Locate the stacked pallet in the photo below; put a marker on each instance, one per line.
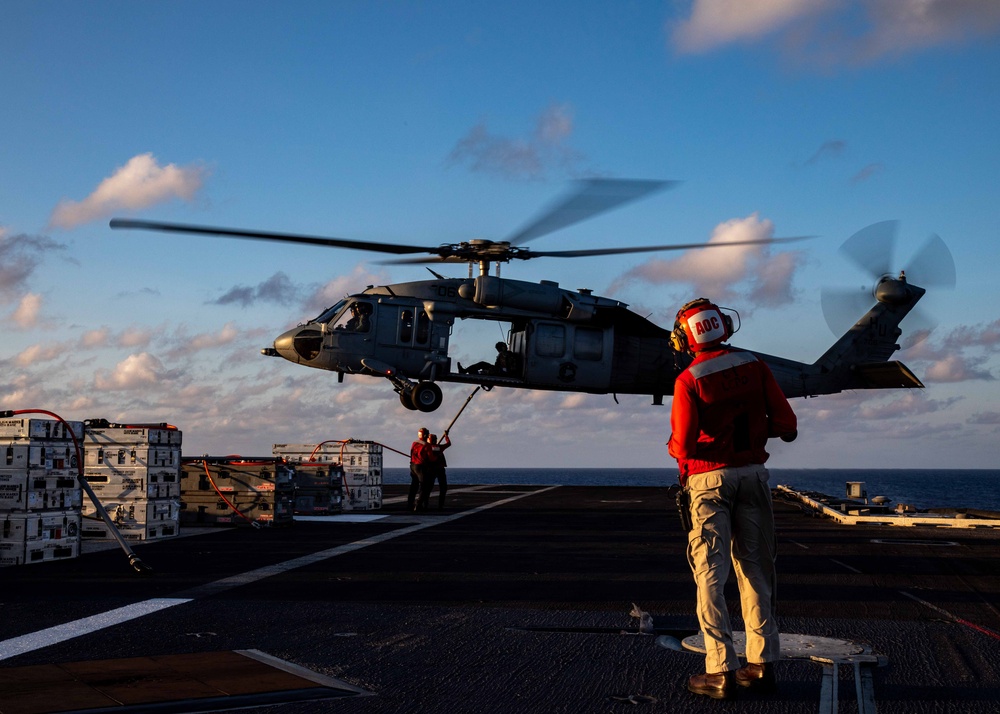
(234, 490)
(360, 462)
(134, 470)
(40, 495)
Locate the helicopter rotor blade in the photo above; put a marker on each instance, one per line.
(528, 254)
(933, 265)
(873, 247)
(126, 223)
(651, 248)
(591, 197)
(843, 306)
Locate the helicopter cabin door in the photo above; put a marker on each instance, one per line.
(410, 342)
(569, 357)
(352, 333)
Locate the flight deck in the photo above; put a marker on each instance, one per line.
(511, 599)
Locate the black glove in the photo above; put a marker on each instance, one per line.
(790, 437)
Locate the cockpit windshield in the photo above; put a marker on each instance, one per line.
(331, 312)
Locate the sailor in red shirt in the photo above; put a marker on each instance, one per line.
(420, 457)
(726, 405)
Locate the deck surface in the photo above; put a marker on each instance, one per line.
(513, 599)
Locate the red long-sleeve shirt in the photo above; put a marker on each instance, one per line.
(726, 405)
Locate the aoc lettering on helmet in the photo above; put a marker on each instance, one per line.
(706, 326)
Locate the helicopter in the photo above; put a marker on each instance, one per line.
(558, 339)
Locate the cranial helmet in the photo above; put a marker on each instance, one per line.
(700, 325)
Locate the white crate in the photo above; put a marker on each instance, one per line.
(363, 498)
(55, 526)
(21, 490)
(110, 483)
(134, 456)
(332, 451)
(138, 512)
(99, 530)
(53, 457)
(125, 435)
(20, 429)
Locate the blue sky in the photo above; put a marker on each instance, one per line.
(426, 123)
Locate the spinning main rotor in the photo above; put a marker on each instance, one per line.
(590, 198)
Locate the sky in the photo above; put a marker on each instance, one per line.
(424, 123)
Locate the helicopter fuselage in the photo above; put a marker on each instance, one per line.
(561, 339)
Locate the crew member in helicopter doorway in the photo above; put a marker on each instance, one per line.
(726, 405)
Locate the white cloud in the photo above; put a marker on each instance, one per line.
(26, 314)
(835, 31)
(726, 272)
(135, 371)
(93, 339)
(139, 184)
(36, 354)
(338, 288)
(714, 23)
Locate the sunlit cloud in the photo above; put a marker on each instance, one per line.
(340, 287)
(137, 371)
(527, 157)
(715, 23)
(139, 184)
(37, 354)
(26, 313)
(725, 273)
(830, 32)
(92, 339)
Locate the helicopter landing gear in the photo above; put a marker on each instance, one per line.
(423, 396)
(426, 396)
(404, 399)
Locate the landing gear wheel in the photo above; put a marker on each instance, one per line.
(404, 399)
(426, 396)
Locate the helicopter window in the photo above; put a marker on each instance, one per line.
(588, 344)
(405, 326)
(331, 312)
(550, 341)
(423, 328)
(357, 319)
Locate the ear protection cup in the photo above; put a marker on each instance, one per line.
(710, 325)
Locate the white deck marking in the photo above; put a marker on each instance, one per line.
(84, 626)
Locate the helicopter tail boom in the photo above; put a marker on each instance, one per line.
(860, 358)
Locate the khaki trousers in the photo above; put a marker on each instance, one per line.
(732, 522)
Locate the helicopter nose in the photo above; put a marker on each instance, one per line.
(302, 344)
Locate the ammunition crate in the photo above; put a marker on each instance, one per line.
(134, 513)
(37, 537)
(20, 429)
(55, 458)
(100, 432)
(99, 530)
(318, 502)
(204, 509)
(38, 551)
(363, 498)
(155, 458)
(111, 483)
(54, 526)
(23, 490)
(261, 475)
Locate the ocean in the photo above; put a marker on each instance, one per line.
(921, 488)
